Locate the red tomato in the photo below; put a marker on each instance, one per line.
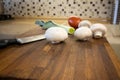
(74, 21)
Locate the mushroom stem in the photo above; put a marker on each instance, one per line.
(98, 34)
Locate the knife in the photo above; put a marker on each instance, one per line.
(6, 42)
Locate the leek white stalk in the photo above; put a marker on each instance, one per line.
(46, 25)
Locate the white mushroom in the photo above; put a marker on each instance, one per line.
(56, 34)
(99, 30)
(85, 23)
(83, 33)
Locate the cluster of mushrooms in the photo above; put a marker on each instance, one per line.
(85, 31)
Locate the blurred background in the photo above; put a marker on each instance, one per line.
(102, 9)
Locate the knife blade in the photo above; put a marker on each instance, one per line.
(23, 40)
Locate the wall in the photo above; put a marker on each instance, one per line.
(116, 12)
(59, 8)
(1, 7)
(118, 16)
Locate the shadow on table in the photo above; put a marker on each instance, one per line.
(13, 78)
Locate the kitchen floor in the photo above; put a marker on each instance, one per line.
(12, 28)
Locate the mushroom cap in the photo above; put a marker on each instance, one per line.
(83, 33)
(85, 23)
(56, 34)
(98, 27)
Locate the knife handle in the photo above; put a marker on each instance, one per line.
(6, 42)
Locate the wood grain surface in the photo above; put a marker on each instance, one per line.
(69, 60)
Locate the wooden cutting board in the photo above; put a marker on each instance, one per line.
(69, 60)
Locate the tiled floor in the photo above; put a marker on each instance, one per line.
(9, 29)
